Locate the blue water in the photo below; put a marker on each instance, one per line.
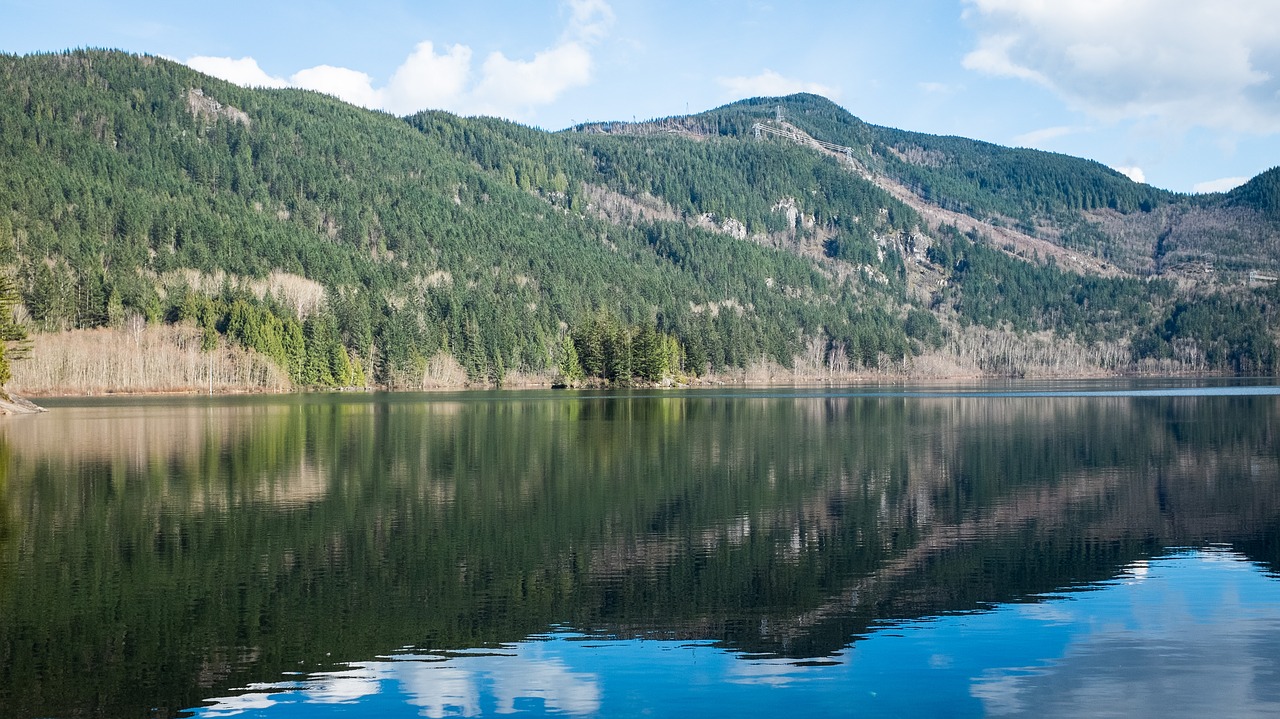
(1192, 634)
(991, 549)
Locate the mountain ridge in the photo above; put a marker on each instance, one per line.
(1076, 190)
(608, 252)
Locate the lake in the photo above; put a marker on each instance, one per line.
(1011, 549)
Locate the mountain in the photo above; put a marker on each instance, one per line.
(1261, 194)
(292, 233)
(1078, 205)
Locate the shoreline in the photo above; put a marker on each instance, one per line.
(12, 404)
(169, 360)
(23, 404)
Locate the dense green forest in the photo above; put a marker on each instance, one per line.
(1262, 193)
(954, 172)
(134, 187)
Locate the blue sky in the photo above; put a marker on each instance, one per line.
(1184, 94)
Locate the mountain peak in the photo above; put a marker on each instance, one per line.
(1262, 193)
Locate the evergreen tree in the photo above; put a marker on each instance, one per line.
(649, 353)
(5, 373)
(13, 337)
(317, 370)
(617, 351)
(473, 359)
(589, 342)
(570, 368)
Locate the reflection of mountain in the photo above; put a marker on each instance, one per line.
(184, 548)
(182, 456)
(1193, 634)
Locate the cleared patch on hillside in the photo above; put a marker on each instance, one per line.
(140, 358)
(1003, 236)
(622, 210)
(304, 296)
(206, 108)
(1008, 239)
(1221, 244)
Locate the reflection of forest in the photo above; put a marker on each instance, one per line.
(177, 547)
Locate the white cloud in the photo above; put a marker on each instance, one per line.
(992, 57)
(770, 83)
(589, 20)
(349, 85)
(244, 71)
(522, 84)
(1184, 62)
(1220, 185)
(426, 79)
(1133, 173)
(1036, 138)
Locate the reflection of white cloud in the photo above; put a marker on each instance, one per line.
(1055, 612)
(239, 704)
(999, 692)
(453, 687)
(1222, 555)
(439, 689)
(1154, 646)
(940, 661)
(1137, 571)
(345, 687)
(768, 672)
(552, 682)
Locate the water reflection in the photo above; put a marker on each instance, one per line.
(183, 548)
(461, 685)
(1194, 634)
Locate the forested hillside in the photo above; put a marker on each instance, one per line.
(344, 247)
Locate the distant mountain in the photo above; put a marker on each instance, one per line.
(1079, 205)
(349, 246)
(1262, 194)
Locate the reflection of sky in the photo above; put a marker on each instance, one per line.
(1192, 635)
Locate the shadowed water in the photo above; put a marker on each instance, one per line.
(1020, 550)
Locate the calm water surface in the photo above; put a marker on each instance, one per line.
(1013, 550)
